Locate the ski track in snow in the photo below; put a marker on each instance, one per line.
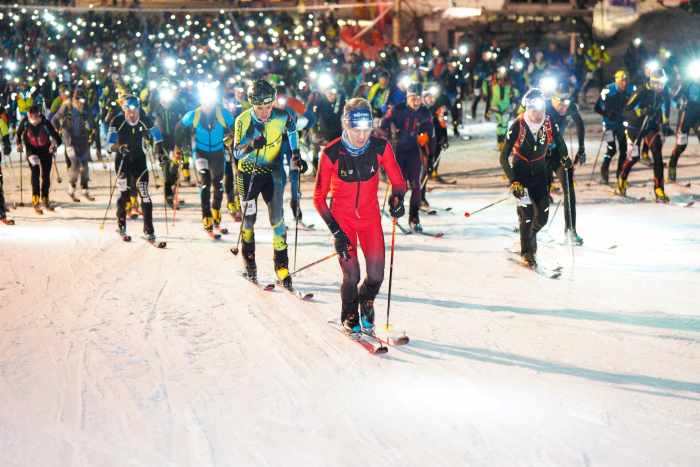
(119, 354)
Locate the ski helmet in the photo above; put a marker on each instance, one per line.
(658, 79)
(131, 102)
(261, 92)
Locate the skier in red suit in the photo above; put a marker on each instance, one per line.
(349, 171)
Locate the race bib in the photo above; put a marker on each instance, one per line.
(682, 139)
(249, 208)
(121, 185)
(33, 160)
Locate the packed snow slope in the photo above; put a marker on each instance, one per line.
(119, 354)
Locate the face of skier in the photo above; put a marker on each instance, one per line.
(331, 95)
(561, 105)
(263, 111)
(429, 100)
(358, 136)
(413, 101)
(535, 115)
(34, 118)
(383, 82)
(621, 83)
(131, 114)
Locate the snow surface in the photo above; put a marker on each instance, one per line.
(116, 354)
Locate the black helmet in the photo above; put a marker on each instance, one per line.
(414, 89)
(261, 92)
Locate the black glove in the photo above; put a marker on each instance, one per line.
(517, 189)
(298, 163)
(396, 206)
(259, 143)
(341, 243)
(666, 128)
(581, 156)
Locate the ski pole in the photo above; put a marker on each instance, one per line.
(296, 216)
(595, 161)
(111, 192)
(165, 203)
(21, 181)
(551, 219)
(176, 198)
(569, 209)
(469, 214)
(235, 249)
(318, 261)
(391, 271)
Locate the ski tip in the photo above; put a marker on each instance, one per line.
(269, 287)
(380, 350)
(161, 244)
(403, 340)
(467, 214)
(307, 297)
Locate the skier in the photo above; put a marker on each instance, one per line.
(500, 95)
(413, 124)
(126, 135)
(39, 137)
(71, 118)
(645, 116)
(328, 108)
(689, 95)
(349, 171)
(259, 134)
(209, 124)
(166, 111)
(537, 146)
(611, 105)
(560, 107)
(438, 109)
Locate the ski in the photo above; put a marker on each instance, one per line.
(389, 340)
(428, 211)
(549, 273)
(88, 197)
(368, 342)
(266, 288)
(300, 294)
(156, 243)
(221, 230)
(75, 199)
(307, 226)
(431, 234)
(7, 221)
(38, 210)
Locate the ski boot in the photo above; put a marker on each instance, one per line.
(281, 260)
(71, 193)
(133, 209)
(367, 315)
(573, 237)
(87, 195)
(414, 224)
(529, 260)
(671, 174)
(35, 204)
(622, 185)
(216, 218)
(7, 221)
(248, 255)
(46, 203)
(170, 200)
(350, 319)
(660, 195)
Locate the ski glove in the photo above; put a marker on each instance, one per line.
(298, 163)
(259, 143)
(396, 207)
(517, 189)
(342, 244)
(567, 162)
(581, 156)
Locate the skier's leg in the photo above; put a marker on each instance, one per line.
(146, 201)
(273, 195)
(216, 169)
(2, 193)
(33, 161)
(349, 315)
(46, 165)
(202, 165)
(122, 188)
(371, 240)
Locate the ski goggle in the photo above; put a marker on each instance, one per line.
(131, 102)
(360, 119)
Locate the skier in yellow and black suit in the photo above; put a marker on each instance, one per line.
(258, 136)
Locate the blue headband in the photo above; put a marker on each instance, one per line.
(360, 119)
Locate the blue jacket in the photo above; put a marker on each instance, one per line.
(209, 129)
